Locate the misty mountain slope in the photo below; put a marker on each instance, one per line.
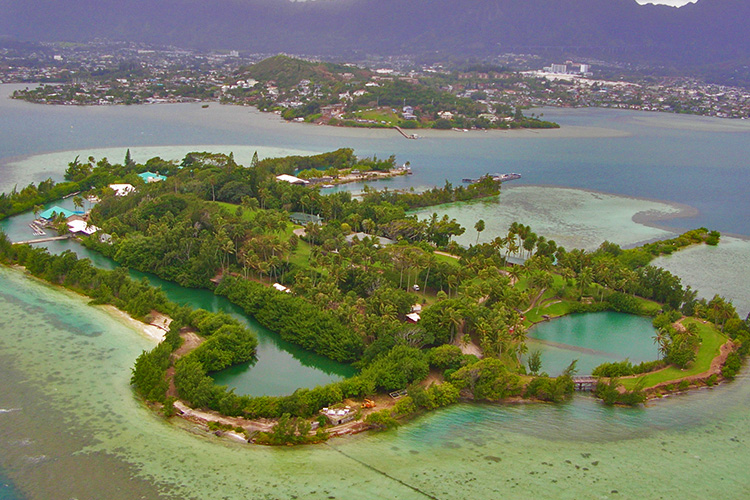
(708, 32)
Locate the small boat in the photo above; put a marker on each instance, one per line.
(495, 177)
(506, 177)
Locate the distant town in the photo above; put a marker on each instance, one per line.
(395, 92)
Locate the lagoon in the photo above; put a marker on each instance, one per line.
(593, 339)
(694, 161)
(281, 367)
(74, 429)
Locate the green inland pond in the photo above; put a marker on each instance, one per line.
(280, 368)
(73, 429)
(593, 339)
(70, 426)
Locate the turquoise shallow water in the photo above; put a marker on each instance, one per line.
(593, 339)
(77, 432)
(572, 218)
(690, 160)
(281, 367)
(8, 491)
(723, 270)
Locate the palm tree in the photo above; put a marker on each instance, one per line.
(455, 318)
(515, 272)
(479, 226)
(661, 339)
(541, 280)
(227, 249)
(567, 275)
(78, 202)
(452, 281)
(61, 223)
(498, 243)
(429, 262)
(585, 278)
(511, 248)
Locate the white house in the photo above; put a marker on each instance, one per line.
(81, 226)
(122, 189)
(291, 179)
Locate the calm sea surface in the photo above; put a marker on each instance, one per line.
(71, 428)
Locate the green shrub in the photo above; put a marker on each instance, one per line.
(731, 366)
(550, 389)
(609, 394)
(487, 379)
(381, 420)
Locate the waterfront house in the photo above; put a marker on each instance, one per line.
(81, 226)
(52, 213)
(151, 177)
(303, 219)
(378, 241)
(291, 179)
(122, 189)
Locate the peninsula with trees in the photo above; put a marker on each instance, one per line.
(360, 280)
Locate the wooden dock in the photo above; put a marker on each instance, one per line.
(585, 383)
(44, 240)
(408, 136)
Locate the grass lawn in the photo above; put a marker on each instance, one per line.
(444, 258)
(301, 256)
(379, 115)
(649, 307)
(711, 341)
(249, 215)
(554, 310)
(232, 208)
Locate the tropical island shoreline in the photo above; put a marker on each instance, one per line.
(229, 427)
(224, 427)
(400, 303)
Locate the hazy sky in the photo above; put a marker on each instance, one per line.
(675, 3)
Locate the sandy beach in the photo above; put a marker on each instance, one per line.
(154, 331)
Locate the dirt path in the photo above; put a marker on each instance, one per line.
(446, 254)
(535, 300)
(191, 340)
(468, 347)
(435, 377)
(203, 417)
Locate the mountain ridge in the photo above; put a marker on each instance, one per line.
(620, 29)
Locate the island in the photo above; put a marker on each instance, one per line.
(425, 322)
(450, 94)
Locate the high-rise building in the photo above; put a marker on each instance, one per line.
(559, 68)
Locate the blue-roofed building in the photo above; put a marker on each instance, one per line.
(51, 213)
(151, 177)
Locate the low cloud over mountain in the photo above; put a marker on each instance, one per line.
(709, 32)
